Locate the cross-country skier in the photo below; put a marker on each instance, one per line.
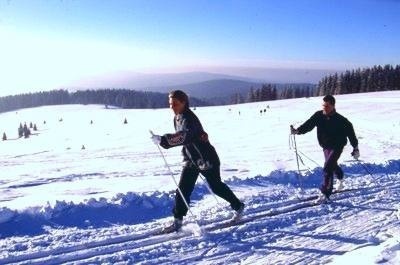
(332, 132)
(199, 156)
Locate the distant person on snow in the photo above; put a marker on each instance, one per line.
(332, 132)
(199, 156)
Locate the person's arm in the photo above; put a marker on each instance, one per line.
(182, 137)
(308, 125)
(351, 134)
(353, 139)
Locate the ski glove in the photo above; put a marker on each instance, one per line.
(355, 153)
(293, 130)
(156, 139)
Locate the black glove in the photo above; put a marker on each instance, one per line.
(355, 153)
(293, 130)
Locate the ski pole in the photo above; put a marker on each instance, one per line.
(363, 165)
(369, 172)
(173, 177)
(209, 189)
(365, 168)
(359, 162)
(297, 157)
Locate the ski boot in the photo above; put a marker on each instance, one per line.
(322, 199)
(238, 213)
(174, 227)
(339, 185)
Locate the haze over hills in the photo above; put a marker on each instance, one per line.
(216, 88)
(214, 81)
(142, 81)
(220, 91)
(218, 85)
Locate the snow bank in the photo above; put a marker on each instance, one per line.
(6, 215)
(134, 208)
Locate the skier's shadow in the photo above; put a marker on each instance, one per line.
(329, 237)
(349, 205)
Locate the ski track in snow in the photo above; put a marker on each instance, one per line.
(268, 238)
(89, 221)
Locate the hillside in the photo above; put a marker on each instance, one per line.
(60, 203)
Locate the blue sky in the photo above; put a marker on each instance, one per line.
(65, 40)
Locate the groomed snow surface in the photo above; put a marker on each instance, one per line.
(60, 203)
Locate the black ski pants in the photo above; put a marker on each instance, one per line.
(187, 181)
(331, 168)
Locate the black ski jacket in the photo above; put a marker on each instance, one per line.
(190, 134)
(332, 130)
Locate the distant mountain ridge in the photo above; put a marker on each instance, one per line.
(217, 88)
(216, 91)
(138, 81)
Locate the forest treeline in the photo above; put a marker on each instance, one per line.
(123, 98)
(274, 92)
(377, 78)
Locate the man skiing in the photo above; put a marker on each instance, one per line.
(199, 156)
(332, 132)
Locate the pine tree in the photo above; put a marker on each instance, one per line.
(4, 137)
(265, 92)
(251, 95)
(335, 84)
(397, 78)
(20, 131)
(27, 132)
(257, 95)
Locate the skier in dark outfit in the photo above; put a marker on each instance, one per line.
(199, 156)
(332, 132)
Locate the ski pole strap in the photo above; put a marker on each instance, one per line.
(291, 141)
(308, 158)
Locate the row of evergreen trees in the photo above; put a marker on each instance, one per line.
(123, 98)
(273, 92)
(377, 78)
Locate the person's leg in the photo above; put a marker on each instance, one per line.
(186, 184)
(339, 172)
(213, 178)
(331, 158)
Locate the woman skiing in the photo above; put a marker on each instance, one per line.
(199, 156)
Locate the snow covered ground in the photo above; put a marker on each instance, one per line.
(60, 203)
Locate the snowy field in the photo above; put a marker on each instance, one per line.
(60, 203)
